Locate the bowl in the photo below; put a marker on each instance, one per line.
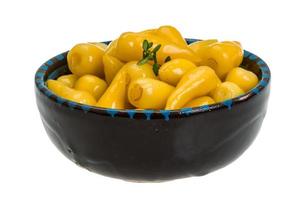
(152, 145)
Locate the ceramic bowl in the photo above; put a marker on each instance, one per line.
(151, 145)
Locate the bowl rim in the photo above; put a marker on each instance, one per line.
(40, 78)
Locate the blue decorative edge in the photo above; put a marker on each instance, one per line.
(41, 75)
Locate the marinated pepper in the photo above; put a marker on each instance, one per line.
(226, 90)
(136, 71)
(201, 47)
(64, 91)
(86, 58)
(69, 80)
(111, 67)
(92, 84)
(115, 95)
(200, 101)
(223, 56)
(147, 93)
(100, 45)
(193, 84)
(171, 34)
(245, 79)
(111, 48)
(129, 47)
(172, 71)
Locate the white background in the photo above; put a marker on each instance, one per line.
(33, 31)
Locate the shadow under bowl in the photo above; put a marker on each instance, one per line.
(150, 145)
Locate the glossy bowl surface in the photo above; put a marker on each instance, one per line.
(148, 145)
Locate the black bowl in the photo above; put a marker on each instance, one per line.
(149, 145)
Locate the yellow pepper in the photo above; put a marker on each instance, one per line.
(69, 80)
(147, 93)
(86, 58)
(100, 45)
(115, 95)
(201, 101)
(245, 79)
(201, 47)
(136, 71)
(234, 43)
(172, 71)
(92, 84)
(193, 84)
(218, 83)
(223, 56)
(111, 67)
(129, 47)
(171, 34)
(167, 32)
(111, 49)
(227, 90)
(148, 31)
(71, 94)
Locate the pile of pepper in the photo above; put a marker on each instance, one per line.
(154, 69)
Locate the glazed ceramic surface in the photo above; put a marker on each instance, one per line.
(148, 145)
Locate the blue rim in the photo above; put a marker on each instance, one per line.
(42, 75)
